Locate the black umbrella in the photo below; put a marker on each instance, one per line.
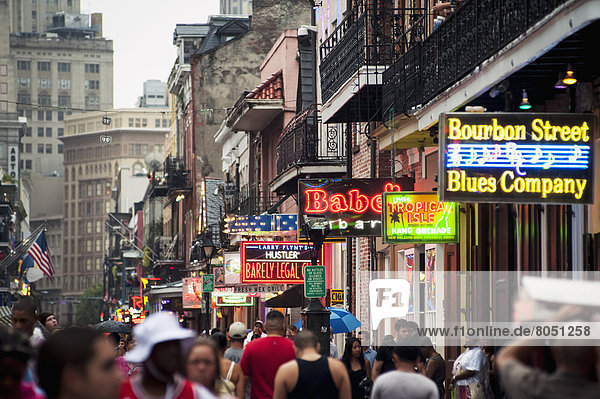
(111, 326)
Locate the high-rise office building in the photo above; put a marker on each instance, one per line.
(236, 7)
(91, 169)
(155, 94)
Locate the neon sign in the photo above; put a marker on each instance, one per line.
(516, 157)
(418, 218)
(274, 262)
(352, 207)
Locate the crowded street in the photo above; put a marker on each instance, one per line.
(271, 199)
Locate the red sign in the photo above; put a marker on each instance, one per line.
(274, 262)
(191, 292)
(352, 207)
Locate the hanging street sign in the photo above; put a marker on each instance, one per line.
(529, 158)
(208, 283)
(418, 218)
(314, 282)
(351, 207)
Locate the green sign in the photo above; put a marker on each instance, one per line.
(208, 282)
(418, 218)
(314, 282)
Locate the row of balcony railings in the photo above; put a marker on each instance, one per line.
(369, 35)
(477, 30)
(177, 176)
(306, 141)
(249, 200)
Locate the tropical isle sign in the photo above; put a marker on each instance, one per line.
(517, 157)
(418, 218)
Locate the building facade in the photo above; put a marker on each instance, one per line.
(92, 164)
(155, 94)
(236, 7)
(56, 77)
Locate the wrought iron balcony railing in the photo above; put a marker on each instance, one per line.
(177, 177)
(303, 142)
(477, 30)
(249, 201)
(372, 36)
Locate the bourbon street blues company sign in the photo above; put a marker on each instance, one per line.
(517, 157)
(352, 207)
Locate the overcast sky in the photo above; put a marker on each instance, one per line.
(142, 34)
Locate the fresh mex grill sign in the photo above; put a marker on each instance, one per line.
(517, 157)
(274, 262)
(352, 207)
(418, 218)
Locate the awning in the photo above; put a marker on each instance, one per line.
(291, 298)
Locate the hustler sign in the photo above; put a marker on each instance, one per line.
(352, 207)
(517, 157)
(274, 262)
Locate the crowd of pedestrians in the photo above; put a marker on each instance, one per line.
(161, 359)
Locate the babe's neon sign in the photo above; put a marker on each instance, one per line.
(352, 207)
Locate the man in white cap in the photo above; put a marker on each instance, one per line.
(257, 332)
(237, 335)
(160, 345)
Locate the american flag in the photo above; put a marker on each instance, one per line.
(41, 255)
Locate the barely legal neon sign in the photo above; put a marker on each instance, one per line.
(318, 202)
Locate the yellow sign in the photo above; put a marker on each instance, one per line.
(337, 297)
(517, 157)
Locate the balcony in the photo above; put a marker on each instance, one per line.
(478, 30)
(355, 55)
(308, 147)
(178, 178)
(249, 201)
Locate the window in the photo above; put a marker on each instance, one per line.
(48, 115)
(43, 66)
(48, 132)
(60, 133)
(91, 101)
(3, 70)
(44, 83)
(48, 148)
(92, 84)
(24, 65)
(157, 123)
(28, 164)
(43, 99)
(92, 68)
(24, 82)
(64, 67)
(24, 99)
(40, 149)
(40, 132)
(130, 122)
(60, 148)
(137, 122)
(88, 248)
(88, 227)
(98, 226)
(98, 207)
(64, 84)
(64, 101)
(98, 245)
(69, 3)
(40, 115)
(3, 88)
(28, 148)
(144, 149)
(60, 116)
(144, 122)
(28, 132)
(138, 149)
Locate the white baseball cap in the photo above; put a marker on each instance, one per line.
(238, 330)
(157, 328)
